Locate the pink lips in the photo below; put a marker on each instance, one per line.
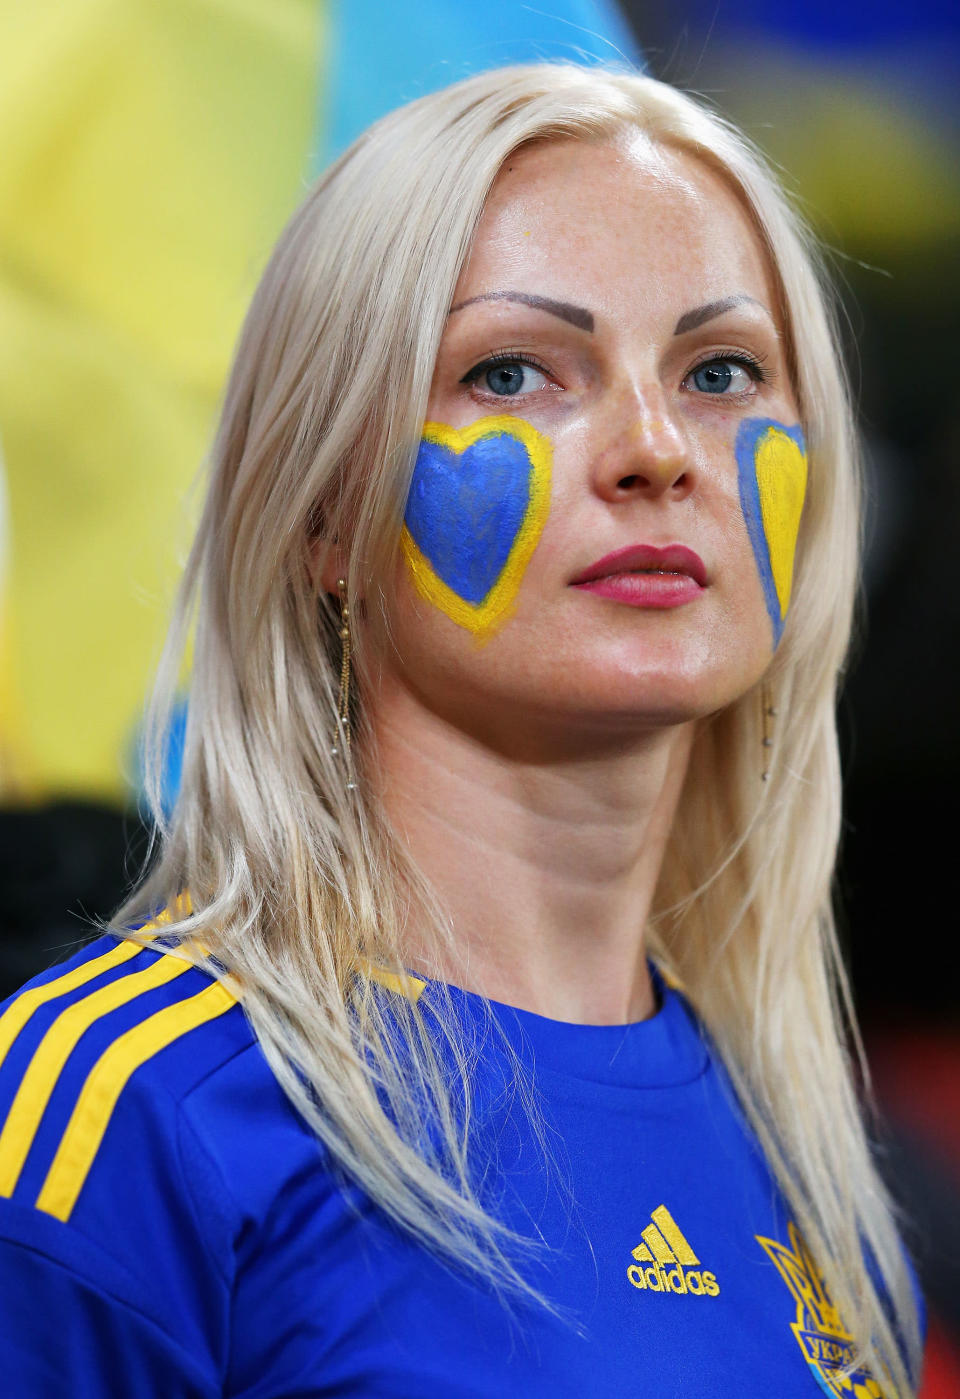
(644, 576)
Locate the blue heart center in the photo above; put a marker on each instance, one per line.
(465, 510)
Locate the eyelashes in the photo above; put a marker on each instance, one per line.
(500, 358)
(754, 366)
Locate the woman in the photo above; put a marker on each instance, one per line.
(535, 401)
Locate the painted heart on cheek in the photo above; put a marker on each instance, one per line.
(477, 506)
(772, 476)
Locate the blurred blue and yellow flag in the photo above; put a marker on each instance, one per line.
(151, 153)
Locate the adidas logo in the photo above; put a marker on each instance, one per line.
(667, 1263)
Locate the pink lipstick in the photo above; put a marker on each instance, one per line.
(645, 576)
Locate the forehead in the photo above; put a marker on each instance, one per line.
(616, 225)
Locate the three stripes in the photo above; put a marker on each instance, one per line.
(663, 1242)
(109, 1075)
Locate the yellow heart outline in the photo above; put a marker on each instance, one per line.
(483, 618)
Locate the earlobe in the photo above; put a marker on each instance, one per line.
(324, 565)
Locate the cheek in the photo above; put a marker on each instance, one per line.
(478, 502)
(772, 478)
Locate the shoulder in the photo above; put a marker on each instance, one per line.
(84, 1042)
(110, 1222)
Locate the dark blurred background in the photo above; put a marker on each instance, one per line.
(151, 154)
(859, 107)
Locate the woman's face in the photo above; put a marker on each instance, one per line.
(612, 381)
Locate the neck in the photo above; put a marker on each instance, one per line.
(546, 869)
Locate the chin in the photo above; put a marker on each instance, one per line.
(624, 702)
(682, 681)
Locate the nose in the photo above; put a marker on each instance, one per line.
(645, 451)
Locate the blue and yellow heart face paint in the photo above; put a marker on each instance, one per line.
(772, 476)
(478, 502)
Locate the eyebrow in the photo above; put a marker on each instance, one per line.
(691, 319)
(576, 315)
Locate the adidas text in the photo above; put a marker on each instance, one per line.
(657, 1279)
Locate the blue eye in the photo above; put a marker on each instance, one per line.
(506, 377)
(716, 376)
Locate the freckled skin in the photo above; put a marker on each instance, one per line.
(639, 236)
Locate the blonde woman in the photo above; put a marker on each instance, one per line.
(492, 1036)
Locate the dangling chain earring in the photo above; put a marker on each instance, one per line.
(343, 703)
(769, 713)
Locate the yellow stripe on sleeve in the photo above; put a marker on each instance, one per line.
(105, 1083)
(16, 1016)
(53, 1052)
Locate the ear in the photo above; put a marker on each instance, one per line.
(325, 565)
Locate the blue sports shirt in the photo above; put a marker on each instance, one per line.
(171, 1229)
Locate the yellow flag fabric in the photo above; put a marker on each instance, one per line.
(151, 153)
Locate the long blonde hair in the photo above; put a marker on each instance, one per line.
(296, 881)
